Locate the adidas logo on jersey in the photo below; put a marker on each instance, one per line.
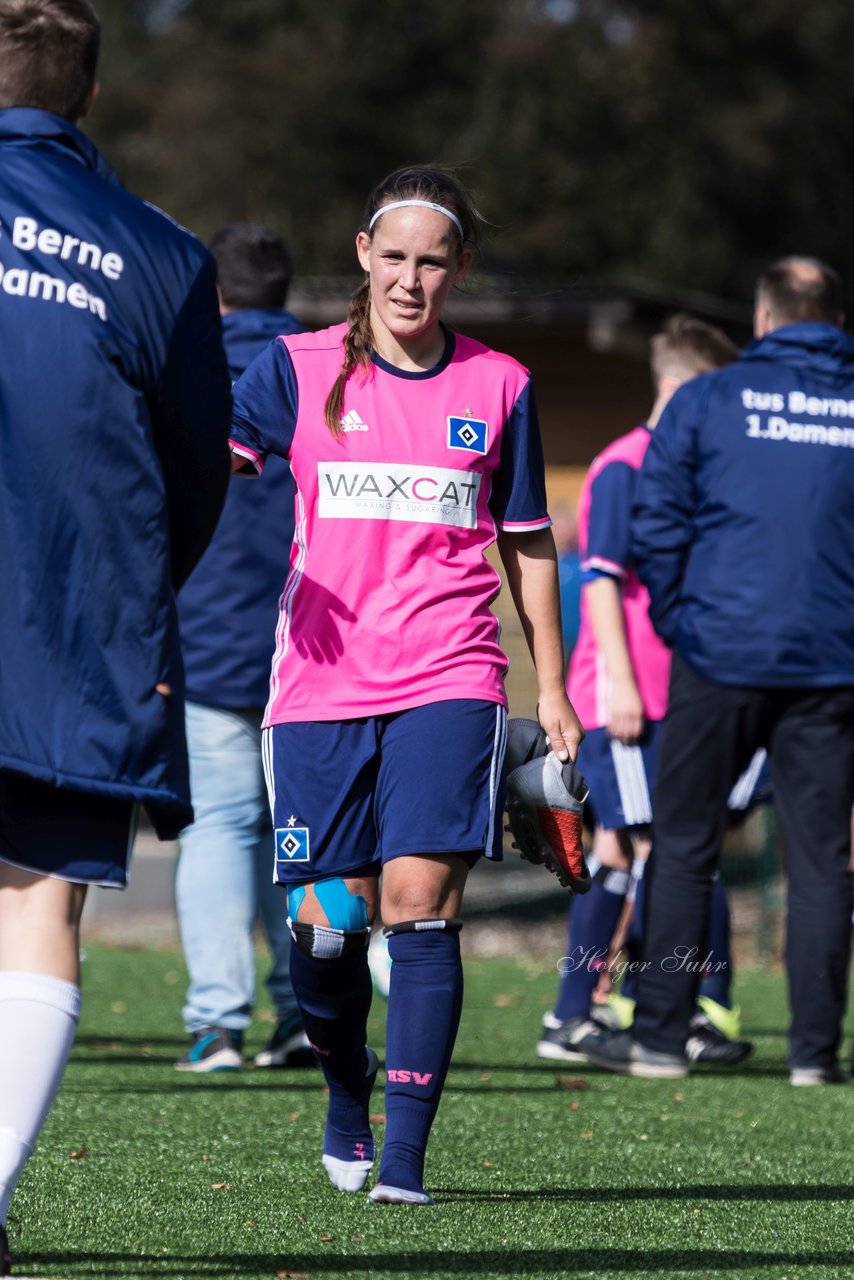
(352, 422)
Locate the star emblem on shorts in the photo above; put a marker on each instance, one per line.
(292, 820)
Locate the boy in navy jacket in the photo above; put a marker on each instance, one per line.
(114, 405)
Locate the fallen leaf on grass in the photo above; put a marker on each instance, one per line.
(291, 1275)
(206, 1159)
(567, 1082)
(78, 1155)
(573, 1106)
(220, 1186)
(376, 1117)
(487, 1164)
(587, 1134)
(170, 977)
(326, 1239)
(294, 1115)
(504, 1001)
(267, 1015)
(679, 1097)
(119, 1006)
(486, 1076)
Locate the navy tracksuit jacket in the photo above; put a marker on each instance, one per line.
(743, 523)
(114, 407)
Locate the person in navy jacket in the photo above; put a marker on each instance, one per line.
(744, 536)
(114, 407)
(228, 611)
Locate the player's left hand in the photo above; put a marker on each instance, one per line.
(562, 726)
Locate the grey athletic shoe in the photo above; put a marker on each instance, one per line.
(565, 1041)
(545, 804)
(212, 1049)
(619, 1051)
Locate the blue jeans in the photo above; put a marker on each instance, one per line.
(225, 875)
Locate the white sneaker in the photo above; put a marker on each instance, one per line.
(806, 1077)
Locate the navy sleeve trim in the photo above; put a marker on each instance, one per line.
(609, 523)
(266, 404)
(518, 499)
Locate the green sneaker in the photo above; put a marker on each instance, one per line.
(727, 1021)
(623, 1009)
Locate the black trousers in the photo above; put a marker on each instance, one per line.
(710, 733)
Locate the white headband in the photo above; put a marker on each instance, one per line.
(421, 204)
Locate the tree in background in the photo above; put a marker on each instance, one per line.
(661, 142)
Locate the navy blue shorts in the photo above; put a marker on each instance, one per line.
(72, 835)
(621, 779)
(348, 796)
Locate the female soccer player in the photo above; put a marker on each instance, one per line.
(413, 448)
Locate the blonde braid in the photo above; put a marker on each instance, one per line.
(358, 343)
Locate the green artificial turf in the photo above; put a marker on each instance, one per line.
(539, 1170)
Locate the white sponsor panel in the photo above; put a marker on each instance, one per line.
(374, 491)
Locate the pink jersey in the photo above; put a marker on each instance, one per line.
(387, 603)
(604, 511)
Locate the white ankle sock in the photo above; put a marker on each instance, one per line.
(38, 1019)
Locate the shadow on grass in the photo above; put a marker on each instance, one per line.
(712, 1191)
(100, 1051)
(751, 1066)
(509, 1262)
(309, 1082)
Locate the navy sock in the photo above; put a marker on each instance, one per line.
(424, 1006)
(717, 976)
(593, 919)
(334, 997)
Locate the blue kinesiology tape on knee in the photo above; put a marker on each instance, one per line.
(344, 910)
(295, 898)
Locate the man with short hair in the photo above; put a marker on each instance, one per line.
(744, 537)
(114, 407)
(228, 611)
